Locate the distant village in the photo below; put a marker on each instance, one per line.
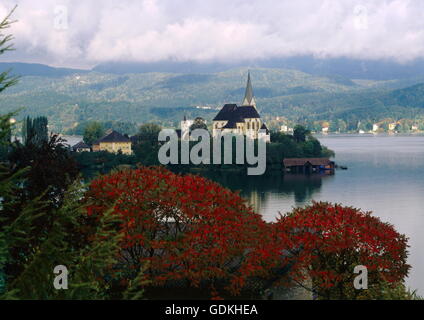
(231, 119)
(383, 126)
(245, 119)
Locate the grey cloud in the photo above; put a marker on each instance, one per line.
(201, 30)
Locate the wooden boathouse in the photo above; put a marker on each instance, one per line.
(309, 165)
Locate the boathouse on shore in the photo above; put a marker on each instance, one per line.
(309, 165)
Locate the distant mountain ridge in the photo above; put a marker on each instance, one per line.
(71, 96)
(37, 69)
(336, 67)
(343, 68)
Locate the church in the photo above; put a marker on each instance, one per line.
(243, 119)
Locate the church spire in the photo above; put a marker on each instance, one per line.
(249, 97)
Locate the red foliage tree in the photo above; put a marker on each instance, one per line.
(187, 228)
(327, 241)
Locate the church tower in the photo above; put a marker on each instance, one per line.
(249, 97)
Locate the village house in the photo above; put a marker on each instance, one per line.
(375, 127)
(114, 142)
(392, 126)
(81, 147)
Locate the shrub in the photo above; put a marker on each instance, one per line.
(187, 229)
(327, 241)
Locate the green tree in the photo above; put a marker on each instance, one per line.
(35, 131)
(199, 123)
(5, 136)
(145, 144)
(88, 248)
(6, 178)
(129, 128)
(93, 132)
(312, 148)
(51, 168)
(300, 133)
(6, 80)
(148, 132)
(36, 235)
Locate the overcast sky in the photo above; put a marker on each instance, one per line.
(82, 33)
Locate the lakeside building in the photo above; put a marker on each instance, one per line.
(309, 165)
(114, 142)
(375, 127)
(243, 119)
(81, 147)
(392, 126)
(286, 129)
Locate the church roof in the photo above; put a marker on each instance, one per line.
(248, 112)
(114, 136)
(233, 113)
(230, 125)
(226, 113)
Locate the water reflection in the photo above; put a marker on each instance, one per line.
(259, 191)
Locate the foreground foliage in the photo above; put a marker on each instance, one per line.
(328, 241)
(194, 233)
(187, 228)
(38, 233)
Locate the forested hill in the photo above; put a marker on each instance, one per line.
(36, 69)
(408, 97)
(70, 96)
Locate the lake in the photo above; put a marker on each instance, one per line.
(385, 175)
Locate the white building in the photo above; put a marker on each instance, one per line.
(185, 128)
(375, 127)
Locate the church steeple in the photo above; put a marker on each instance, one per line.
(249, 97)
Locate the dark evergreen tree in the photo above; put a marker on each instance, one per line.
(6, 80)
(145, 144)
(35, 131)
(51, 167)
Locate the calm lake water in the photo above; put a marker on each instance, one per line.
(385, 176)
